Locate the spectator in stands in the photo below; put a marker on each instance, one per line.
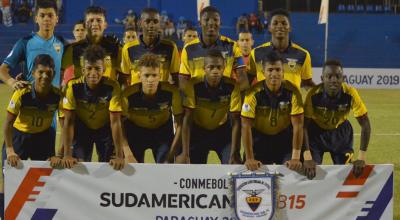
(130, 35)
(254, 23)
(181, 27)
(189, 35)
(297, 61)
(23, 12)
(79, 31)
(130, 20)
(242, 24)
(169, 28)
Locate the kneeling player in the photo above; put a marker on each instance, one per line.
(92, 108)
(327, 107)
(272, 119)
(27, 130)
(149, 106)
(209, 100)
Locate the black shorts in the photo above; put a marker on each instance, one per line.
(159, 140)
(338, 142)
(270, 149)
(203, 140)
(84, 138)
(38, 146)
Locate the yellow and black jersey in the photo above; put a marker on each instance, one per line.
(34, 115)
(165, 49)
(212, 105)
(272, 113)
(93, 107)
(296, 66)
(192, 57)
(152, 112)
(73, 55)
(328, 113)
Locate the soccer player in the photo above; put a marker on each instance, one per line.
(95, 23)
(79, 31)
(151, 42)
(189, 34)
(92, 108)
(27, 128)
(149, 106)
(208, 102)
(245, 43)
(327, 129)
(297, 61)
(130, 35)
(41, 42)
(272, 119)
(192, 57)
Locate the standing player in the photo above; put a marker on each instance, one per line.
(151, 42)
(41, 42)
(129, 35)
(272, 119)
(79, 31)
(327, 129)
(95, 23)
(92, 108)
(189, 34)
(245, 43)
(192, 57)
(209, 100)
(27, 129)
(149, 106)
(296, 60)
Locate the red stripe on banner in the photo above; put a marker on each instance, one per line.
(346, 194)
(30, 181)
(352, 180)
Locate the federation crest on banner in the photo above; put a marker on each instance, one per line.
(255, 196)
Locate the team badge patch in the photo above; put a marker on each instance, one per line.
(255, 196)
(246, 107)
(57, 47)
(11, 104)
(65, 100)
(292, 63)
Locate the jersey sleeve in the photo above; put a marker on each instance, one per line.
(177, 107)
(297, 103)
(174, 68)
(252, 64)
(249, 106)
(119, 61)
(125, 60)
(236, 99)
(237, 54)
(116, 96)
(16, 55)
(15, 103)
(357, 105)
(308, 108)
(67, 58)
(184, 68)
(125, 104)
(307, 69)
(189, 100)
(69, 102)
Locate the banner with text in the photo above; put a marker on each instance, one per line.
(189, 192)
(368, 78)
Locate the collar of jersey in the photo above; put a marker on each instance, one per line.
(220, 86)
(216, 43)
(270, 94)
(286, 50)
(89, 91)
(39, 37)
(326, 96)
(153, 45)
(142, 93)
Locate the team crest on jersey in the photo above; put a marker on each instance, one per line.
(292, 63)
(103, 99)
(163, 105)
(224, 98)
(57, 47)
(225, 54)
(284, 106)
(343, 107)
(255, 196)
(162, 58)
(52, 107)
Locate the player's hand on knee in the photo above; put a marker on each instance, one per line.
(253, 164)
(294, 164)
(69, 162)
(358, 167)
(182, 159)
(56, 162)
(117, 163)
(13, 159)
(310, 168)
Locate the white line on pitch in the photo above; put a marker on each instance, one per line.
(381, 134)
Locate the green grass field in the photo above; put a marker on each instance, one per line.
(383, 110)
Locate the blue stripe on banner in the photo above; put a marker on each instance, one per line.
(381, 202)
(44, 214)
